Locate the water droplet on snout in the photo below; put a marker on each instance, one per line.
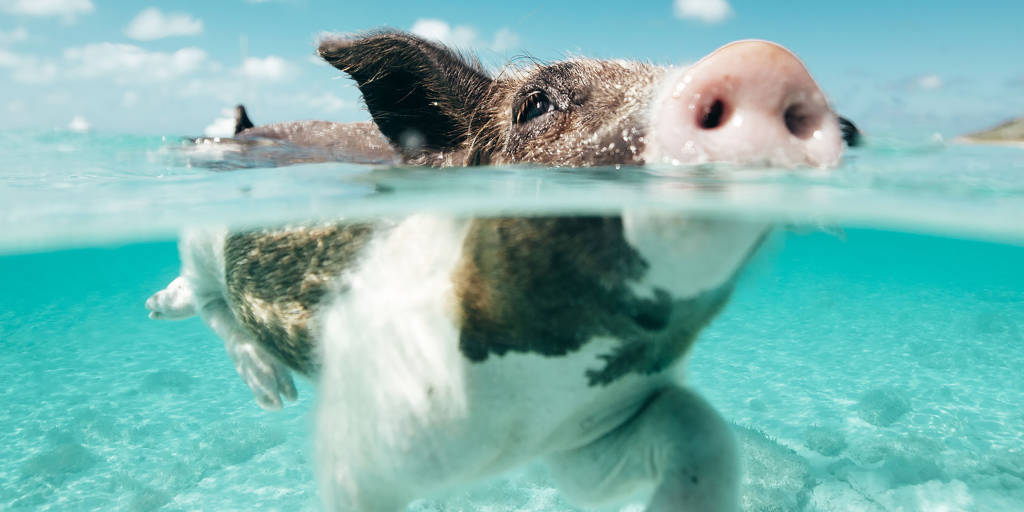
(680, 87)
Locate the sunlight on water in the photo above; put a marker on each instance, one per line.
(863, 368)
(62, 189)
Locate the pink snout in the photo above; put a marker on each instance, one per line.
(749, 102)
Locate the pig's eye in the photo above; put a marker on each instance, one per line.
(534, 105)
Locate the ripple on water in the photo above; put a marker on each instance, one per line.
(883, 406)
(825, 440)
(167, 381)
(63, 460)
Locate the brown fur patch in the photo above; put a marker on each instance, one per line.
(345, 142)
(277, 278)
(439, 109)
(422, 95)
(548, 285)
(598, 116)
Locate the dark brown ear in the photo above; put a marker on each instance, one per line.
(851, 134)
(242, 121)
(422, 95)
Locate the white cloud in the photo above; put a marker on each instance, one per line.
(58, 98)
(125, 63)
(15, 36)
(79, 124)
(708, 11)
(929, 82)
(41, 73)
(463, 37)
(152, 24)
(8, 59)
(267, 68)
(28, 69)
(325, 102)
(430, 28)
(505, 40)
(226, 89)
(198, 87)
(223, 126)
(118, 63)
(317, 60)
(129, 99)
(68, 10)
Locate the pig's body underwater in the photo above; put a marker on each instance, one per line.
(445, 348)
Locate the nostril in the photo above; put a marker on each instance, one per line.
(800, 121)
(713, 115)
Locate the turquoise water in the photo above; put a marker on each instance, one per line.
(870, 358)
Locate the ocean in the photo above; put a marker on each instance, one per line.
(869, 360)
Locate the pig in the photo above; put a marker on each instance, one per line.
(446, 348)
(290, 143)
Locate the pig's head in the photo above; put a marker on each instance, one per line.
(750, 102)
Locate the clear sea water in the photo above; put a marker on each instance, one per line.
(871, 358)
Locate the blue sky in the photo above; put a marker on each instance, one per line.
(172, 67)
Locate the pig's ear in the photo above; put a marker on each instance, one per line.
(242, 121)
(420, 94)
(851, 134)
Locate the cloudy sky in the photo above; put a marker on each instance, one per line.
(172, 67)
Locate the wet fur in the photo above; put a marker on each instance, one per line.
(441, 111)
(569, 279)
(276, 279)
(449, 349)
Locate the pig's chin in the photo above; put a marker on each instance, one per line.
(694, 151)
(672, 146)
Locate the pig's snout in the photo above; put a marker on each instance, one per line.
(749, 102)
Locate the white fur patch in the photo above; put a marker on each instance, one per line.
(392, 375)
(202, 261)
(175, 302)
(688, 255)
(402, 411)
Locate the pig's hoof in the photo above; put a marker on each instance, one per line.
(172, 303)
(626, 358)
(268, 379)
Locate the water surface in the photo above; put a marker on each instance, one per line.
(869, 359)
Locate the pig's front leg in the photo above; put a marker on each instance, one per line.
(175, 302)
(676, 441)
(268, 379)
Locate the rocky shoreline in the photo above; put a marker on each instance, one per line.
(1009, 133)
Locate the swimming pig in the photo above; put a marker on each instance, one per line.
(446, 349)
(430, 107)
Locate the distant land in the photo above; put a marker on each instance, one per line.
(1010, 132)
